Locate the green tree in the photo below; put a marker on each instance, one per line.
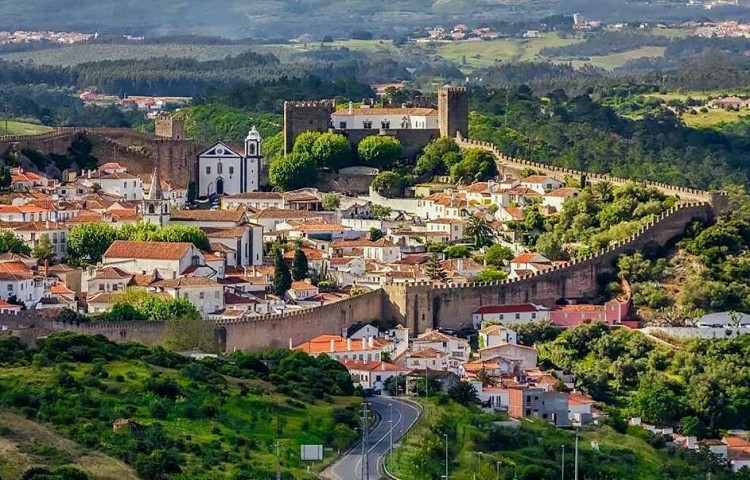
(498, 254)
(9, 242)
(300, 265)
(192, 192)
(282, 279)
(389, 184)
(304, 144)
(435, 270)
(183, 233)
(457, 251)
(480, 230)
(379, 152)
(375, 234)
(5, 178)
(332, 150)
(491, 274)
(380, 212)
(549, 245)
(293, 171)
(331, 201)
(476, 165)
(90, 240)
(435, 154)
(44, 250)
(190, 331)
(464, 393)
(655, 401)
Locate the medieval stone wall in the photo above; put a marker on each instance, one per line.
(420, 307)
(138, 152)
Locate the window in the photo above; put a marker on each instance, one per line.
(501, 316)
(208, 170)
(124, 184)
(342, 125)
(367, 124)
(54, 237)
(10, 287)
(251, 149)
(231, 170)
(533, 316)
(133, 183)
(101, 287)
(219, 168)
(518, 316)
(385, 124)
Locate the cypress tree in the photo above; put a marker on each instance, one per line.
(300, 265)
(282, 279)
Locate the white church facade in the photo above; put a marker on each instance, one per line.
(223, 171)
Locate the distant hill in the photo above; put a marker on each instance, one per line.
(290, 18)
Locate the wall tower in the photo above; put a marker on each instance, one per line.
(304, 117)
(453, 111)
(168, 126)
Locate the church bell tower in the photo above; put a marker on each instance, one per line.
(155, 208)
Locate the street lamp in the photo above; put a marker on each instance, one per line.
(390, 411)
(479, 464)
(563, 462)
(445, 435)
(498, 463)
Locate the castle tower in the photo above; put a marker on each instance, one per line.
(302, 117)
(155, 208)
(453, 111)
(252, 160)
(168, 126)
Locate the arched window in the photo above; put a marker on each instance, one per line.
(219, 168)
(208, 170)
(251, 149)
(151, 209)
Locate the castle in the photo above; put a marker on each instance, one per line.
(413, 127)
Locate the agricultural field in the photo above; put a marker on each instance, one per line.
(22, 128)
(714, 117)
(610, 62)
(76, 54)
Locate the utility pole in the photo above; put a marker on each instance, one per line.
(498, 469)
(575, 472)
(365, 466)
(278, 461)
(479, 464)
(390, 411)
(445, 435)
(563, 462)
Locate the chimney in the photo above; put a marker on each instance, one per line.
(364, 343)
(46, 268)
(348, 344)
(351, 108)
(371, 342)
(333, 345)
(46, 223)
(382, 366)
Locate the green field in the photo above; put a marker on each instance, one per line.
(713, 117)
(610, 62)
(22, 128)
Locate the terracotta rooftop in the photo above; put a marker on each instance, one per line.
(300, 285)
(310, 253)
(428, 353)
(562, 192)
(420, 112)
(286, 214)
(536, 179)
(324, 344)
(255, 196)
(208, 215)
(112, 273)
(186, 282)
(529, 258)
(373, 366)
(148, 250)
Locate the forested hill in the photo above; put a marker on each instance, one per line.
(289, 18)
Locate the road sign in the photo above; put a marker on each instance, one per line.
(311, 452)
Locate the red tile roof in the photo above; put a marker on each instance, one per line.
(420, 112)
(148, 250)
(517, 308)
(322, 344)
(373, 366)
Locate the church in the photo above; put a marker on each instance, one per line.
(223, 171)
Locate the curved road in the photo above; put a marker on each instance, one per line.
(405, 415)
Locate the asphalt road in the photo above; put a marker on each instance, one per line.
(404, 415)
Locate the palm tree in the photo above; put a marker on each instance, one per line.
(487, 379)
(480, 230)
(603, 191)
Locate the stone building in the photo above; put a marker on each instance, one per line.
(413, 127)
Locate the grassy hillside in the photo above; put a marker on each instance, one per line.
(531, 452)
(25, 444)
(199, 420)
(22, 128)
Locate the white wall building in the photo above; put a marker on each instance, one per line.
(367, 118)
(509, 314)
(221, 170)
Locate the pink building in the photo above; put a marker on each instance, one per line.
(611, 313)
